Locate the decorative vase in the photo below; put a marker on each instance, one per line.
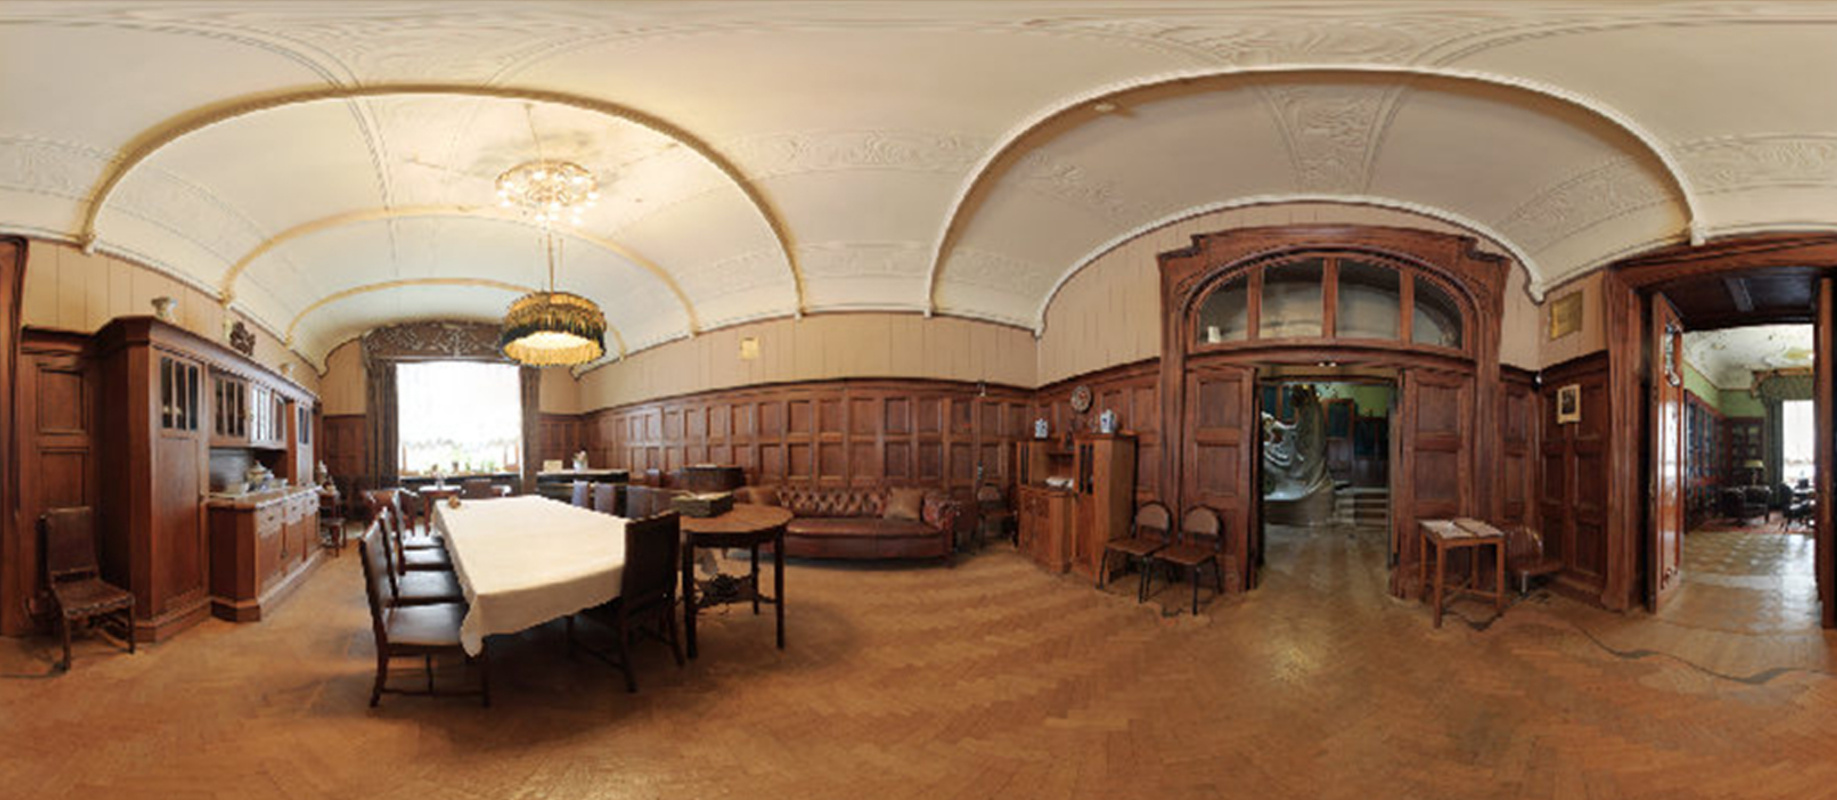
(1106, 422)
(1041, 429)
(165, 309)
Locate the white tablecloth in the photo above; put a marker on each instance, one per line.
(526, 560)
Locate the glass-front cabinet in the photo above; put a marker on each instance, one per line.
(1330, 296)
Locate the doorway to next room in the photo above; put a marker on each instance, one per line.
(1326, 478)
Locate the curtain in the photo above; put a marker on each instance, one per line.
(379, 399)
(532, 426)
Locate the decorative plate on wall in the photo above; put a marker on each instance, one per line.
(1081, 399)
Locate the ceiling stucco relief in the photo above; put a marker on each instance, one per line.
(187, 212)
(832, 150)
(1243, 36)
(1728, 357)
(1738, 163)
(1330, 132)
(1581, 202)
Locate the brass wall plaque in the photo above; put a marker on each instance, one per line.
(1566, 315)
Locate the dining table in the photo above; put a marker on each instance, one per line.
(523, 561)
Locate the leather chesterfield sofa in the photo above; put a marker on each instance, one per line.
(852, 523)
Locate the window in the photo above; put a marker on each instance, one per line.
(458, 417)
(1225, 317)
(1370, 301)
(1437, 320)
(1798, 433)
(1291, 300)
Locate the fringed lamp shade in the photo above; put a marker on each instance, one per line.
(546, 329)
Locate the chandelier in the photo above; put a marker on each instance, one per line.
(549, 189)
(550, 328)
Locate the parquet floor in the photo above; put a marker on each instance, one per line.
(989, 680)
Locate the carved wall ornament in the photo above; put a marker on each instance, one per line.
(242, 340)
(427, 341)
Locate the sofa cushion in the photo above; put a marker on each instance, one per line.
(866, 527)
(904, 503)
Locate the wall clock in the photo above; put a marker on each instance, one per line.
(1081, 399)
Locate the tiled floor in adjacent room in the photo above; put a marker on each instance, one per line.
(988, 680)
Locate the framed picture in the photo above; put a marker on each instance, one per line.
(1569, 404)
(1566, 315)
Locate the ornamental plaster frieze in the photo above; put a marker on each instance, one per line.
(801, 152)
(989, 271)
(850, 260)
(1331, 132)
(1606, 191)
(1074, 185)
(745, 272)
(1737, 163)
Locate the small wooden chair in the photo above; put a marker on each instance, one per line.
(477, 489)
(413, 588)
(1525, 557)
(583, 495)
(653, 553)
(1150, 533)
(331, 520)
(993, 510)
(606, 498)
(408, 631)
(1201, 541)
(73, 577)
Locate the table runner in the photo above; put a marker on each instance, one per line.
(523, 561)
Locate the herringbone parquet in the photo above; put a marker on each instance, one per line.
(989, 680)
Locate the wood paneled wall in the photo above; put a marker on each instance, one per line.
(1133, 392)
(1518, 437)
(1573, 476)
(13, 254)
(342, 438)
(56, 416)
(825, 433)
(561, 437)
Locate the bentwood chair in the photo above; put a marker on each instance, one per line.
(606, 498)
(653, 549)
(425, 631)
(74, 579)
(1201, 542)
(583, 495)
(477, 489)
(414, 588)
(1150, 533)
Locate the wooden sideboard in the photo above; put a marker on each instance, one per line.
(156, 427)
(1071, 526)
(1045, 519)
(262, 546)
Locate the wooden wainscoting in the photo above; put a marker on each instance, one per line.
(1133, 392)
(1573, 476)
(561, 437)
(56, 422)
(1518, 431)
(828, 433)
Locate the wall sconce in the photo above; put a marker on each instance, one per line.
(749, 348)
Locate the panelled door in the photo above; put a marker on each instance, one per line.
(1221, 452)
(1434, 477)
(1665, 558)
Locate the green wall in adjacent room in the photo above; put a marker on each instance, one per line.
(1741, 403)
(1696, 384)
(1371, 400)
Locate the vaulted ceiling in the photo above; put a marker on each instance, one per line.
(328, 167)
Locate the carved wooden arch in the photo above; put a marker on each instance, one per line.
(1475, 279)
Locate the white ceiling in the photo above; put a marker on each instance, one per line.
(1728, 357)
(328, 167)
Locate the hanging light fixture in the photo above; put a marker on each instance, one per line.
(551, 328)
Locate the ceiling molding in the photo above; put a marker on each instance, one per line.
(227, 283)
(143, 147)
(384, 286)
(986, 171)
(1534, 284)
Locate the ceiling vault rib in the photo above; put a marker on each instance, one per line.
(1004, 154)
(142, 147)
(384, 286)
(227, 285)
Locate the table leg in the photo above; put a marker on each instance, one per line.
(778, 582)
(688, 594)
(1499, 577)
(1441, 579)
(1422, 566)
(755, 551)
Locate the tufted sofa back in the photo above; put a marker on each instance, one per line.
(833, 502)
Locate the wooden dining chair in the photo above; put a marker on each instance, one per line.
(422, 557)
(1201, 541)
(583, 494)
(606, 498)
(425, 631)
(477, 489)
(74, 579)
(413, 588)
(647, 593)
(1149, 533)
(331, 520)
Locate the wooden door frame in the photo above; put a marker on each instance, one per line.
(13, 617)
(1656, 585)
(1624, 288)
(1476, 278)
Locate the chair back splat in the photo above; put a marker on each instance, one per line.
(1153, 521)
(606, 498)
(476, 489)
(583, 495)
(70, 543)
